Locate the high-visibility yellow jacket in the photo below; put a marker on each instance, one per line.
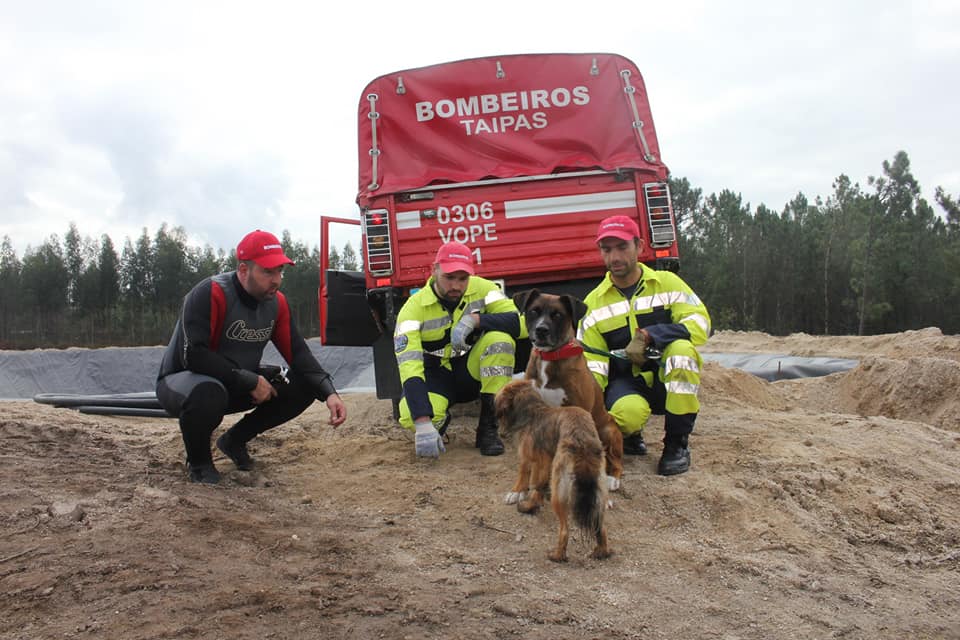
(422, 335)
(663, 304)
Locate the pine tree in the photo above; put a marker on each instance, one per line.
(348, 261)
(9, 289)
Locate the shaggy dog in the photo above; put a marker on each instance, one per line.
(559, 448)
(559, 371)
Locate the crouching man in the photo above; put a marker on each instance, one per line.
(634, 308)
(212, 365)
(455, 339)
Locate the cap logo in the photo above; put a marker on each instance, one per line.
(267, 247)
(458, 255)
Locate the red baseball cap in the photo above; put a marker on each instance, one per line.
(454, 256)
(263, 248)
(622, 227)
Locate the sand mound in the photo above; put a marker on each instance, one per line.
(921, 389)
(929, 342)
(733, 387)
(815, 508)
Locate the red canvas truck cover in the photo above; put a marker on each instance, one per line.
(517, 156)
(503, 117)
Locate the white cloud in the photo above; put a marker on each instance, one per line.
(220, 117)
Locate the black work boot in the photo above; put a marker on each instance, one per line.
(196, 441)
(205, 473)
(633, 445)
(236, 451)
(488, 441)
(676, 456)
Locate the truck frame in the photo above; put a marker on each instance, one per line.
(517, 156)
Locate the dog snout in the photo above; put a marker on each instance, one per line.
(541, 332)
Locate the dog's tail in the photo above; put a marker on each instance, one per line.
(588, 488)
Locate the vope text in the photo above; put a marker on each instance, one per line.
(464, 223)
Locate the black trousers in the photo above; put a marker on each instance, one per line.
(200, 402)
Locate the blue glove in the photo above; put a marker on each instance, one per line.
(428, 442)
(460, 333)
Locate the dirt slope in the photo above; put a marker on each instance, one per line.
(818, 508)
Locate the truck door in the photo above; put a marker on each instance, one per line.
(345, 316)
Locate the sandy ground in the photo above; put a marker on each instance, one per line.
(817, 508)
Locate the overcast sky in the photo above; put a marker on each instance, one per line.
(227, 116)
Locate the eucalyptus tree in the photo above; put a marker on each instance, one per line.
(136, 285)
(205, 262)
(9, 288)
(109, 266)
(348, 259)
(170, 269)
(333, 259)
(73, 257)
(44, 281)
(301, 282)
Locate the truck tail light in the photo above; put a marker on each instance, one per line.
(376, 230)
(660, 213)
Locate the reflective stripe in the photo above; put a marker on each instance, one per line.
(491, 372)
(663, 299)
(602, 368)
(407, 326)
(436, 323)
(439, 352)
(644, 303)
(686, 388)
(699, 319)
(409, 355)
(680, 362)
(494, 296)
(605, 313)
(474, 307)
(558, 205)
(499, 347)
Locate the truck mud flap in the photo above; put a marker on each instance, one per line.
(385, 369)
(349, 322)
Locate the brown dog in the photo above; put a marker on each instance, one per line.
(559, 371)
(559, 448)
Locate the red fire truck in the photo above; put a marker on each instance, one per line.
(517, 156)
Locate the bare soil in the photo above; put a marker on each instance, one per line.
(817, 508)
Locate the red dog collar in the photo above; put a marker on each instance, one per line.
(569, 350)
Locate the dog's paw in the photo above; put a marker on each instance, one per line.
(512, 497)
(613, 484)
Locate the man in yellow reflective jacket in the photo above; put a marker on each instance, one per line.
(657, 311)
(441, 363)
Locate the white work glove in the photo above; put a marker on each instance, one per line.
(428, 442)
(460, 333)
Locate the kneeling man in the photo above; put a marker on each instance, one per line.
(637, 304)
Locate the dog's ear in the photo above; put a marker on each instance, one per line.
(500, 407)
(575, 307)
(503, 408)
(524, 298)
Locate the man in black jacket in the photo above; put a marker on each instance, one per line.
(212, 365)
